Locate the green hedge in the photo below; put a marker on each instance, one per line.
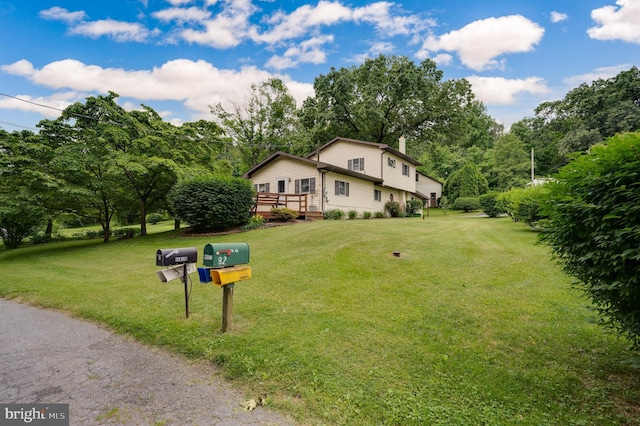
(218, 203)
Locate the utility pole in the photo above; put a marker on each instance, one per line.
(533, 176)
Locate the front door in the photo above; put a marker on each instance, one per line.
(433, 202)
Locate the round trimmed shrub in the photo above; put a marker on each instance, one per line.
(212, 204)
(392, 208)
(466, 204)
(490, 204)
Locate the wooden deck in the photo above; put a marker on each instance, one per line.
(265, 201)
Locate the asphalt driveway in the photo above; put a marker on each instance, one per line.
(48, 357)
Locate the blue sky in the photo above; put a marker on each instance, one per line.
(181, 56)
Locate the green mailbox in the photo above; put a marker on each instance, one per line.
(222, 255)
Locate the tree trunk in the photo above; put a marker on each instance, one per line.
(176, 224)
(143, 218)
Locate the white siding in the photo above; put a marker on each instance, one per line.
(392, 175)
(290, 170)
(340, 152)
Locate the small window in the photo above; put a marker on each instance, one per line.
(305, 186)
(281, 186)
(406, 170)
(261, 187)
(391, 162)
(342, 188)
(377, 195)
(357, 164)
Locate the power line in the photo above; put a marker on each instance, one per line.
(31, 102)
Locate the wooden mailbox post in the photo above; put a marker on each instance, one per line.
(222, 260)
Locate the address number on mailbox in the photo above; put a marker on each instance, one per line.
(221, 255)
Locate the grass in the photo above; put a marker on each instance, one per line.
(471, 324)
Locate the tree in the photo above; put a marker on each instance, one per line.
(20, 212)
(261, 125)
(390, 96)
(88, 181)
(585, 116)
(464, 183)
(594, 228)
(507, 164)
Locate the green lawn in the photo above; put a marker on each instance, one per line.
(471, 324)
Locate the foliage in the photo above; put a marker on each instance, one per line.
(283, 214)
(466, 182)
(490, 204)
(414, 207)
(335, 214)
(255, 222)
(392, 208)
(585, 116)
(390, 96)
(466, 204)
(352, 214)
(217, 203)
(524, 204)
(18, 221)
(261, 125)
(366, 215)
(379, 215)
(507, 164)
(154, 218)
(444, 204)
(594, 228)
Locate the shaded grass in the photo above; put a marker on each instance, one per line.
(472, 324)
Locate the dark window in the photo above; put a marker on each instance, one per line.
(342, 188)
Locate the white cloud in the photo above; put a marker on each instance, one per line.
(602, 73)
(298, 22)
(443, 59)
(197, 84)
(117, 30)
(558, 17)
(619, 22)
(180, 15)
(479, 43)
(503, 91)
(309, 51)
(228, 29)
(61, 14)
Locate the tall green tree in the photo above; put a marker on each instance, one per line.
(390, 96)
(587, 115)
(20, 211)
(507, 164)
(466, 182)
(265, 122)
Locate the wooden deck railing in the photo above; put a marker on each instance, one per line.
(265, 201)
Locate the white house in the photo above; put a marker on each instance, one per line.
(343, 174)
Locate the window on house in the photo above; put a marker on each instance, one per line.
(261, 187)
(305, 186)
(391, 162)
(357, 164)
(405, 170)
(342, 188)
(281, 186)
(377, 195)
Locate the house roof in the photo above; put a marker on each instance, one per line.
(382, 146)
(323, 167)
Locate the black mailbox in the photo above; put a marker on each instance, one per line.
(177, 256)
